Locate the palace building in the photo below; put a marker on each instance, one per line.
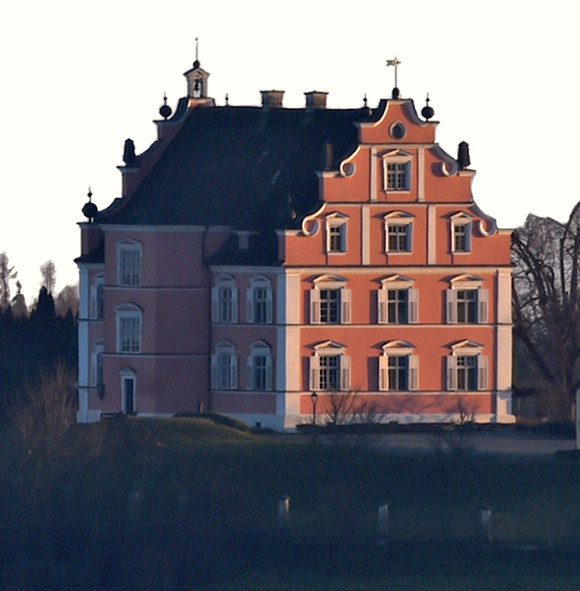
(261, 254)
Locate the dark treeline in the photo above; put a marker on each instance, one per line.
(32, 344)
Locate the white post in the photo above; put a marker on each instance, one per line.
(486, 524)
(384, 520)
(284, 513)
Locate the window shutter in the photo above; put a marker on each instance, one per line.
(233, 372)
(250, 305)
(382, 297)
(250, 373)
(451, 306)
(93, 375)
(413, 372)
(234, 317)
(269, 373)
(314, 373)
(482, 372)
(93, 304)
(345, 297)
(410, 237)
(413, 295)
(482, 307)
(344, 372)
(215, 304)
(343, 237)
(451, 372)
(314, 306)
(269, 307)
(383, 372)
(214, 372)
(468, 237)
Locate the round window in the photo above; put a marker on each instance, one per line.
(398, 131)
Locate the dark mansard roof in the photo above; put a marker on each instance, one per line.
(244, 167)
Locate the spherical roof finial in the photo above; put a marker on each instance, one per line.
(427, 111)
(90, 210)
(165, 110)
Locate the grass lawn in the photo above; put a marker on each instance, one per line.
(193, 504)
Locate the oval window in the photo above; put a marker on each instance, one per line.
(398, 131)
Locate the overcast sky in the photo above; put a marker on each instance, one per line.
(79, 78)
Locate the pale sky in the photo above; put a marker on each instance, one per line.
(79, 78)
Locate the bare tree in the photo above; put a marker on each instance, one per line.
(48, 272)
(7, 274)
(546, 306)
(67, 299)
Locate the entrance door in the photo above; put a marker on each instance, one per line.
(129, 395)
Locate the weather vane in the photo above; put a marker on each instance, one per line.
(395, 62)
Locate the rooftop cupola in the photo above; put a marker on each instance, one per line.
(196, 78)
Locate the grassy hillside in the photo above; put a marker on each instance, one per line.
(174, 504)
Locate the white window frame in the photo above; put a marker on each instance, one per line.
(125, 316)
(252, 301)
(398, 349)
(464, 221)
(330, 283)
(224, 367)
(470, 349)
(336, 231)
(402, 160)
(397, 283)
(396, 219)
(224, 300)
(260, 350)
(96, 297)
(322, 352)
(467, 283)
(129, 263)
(96, 364)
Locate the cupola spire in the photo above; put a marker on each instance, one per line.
(395, 62)
(197, 78)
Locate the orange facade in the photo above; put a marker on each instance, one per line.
(390, 285)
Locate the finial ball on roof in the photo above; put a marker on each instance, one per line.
(427, 111)
(90, 210)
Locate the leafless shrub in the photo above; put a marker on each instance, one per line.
(456, 438)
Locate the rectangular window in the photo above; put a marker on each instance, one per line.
(260, 377)
(329, 372)
(337, 238)
(461, 235)
(399, 237)
(226, 371)
(225, 304)
(398, 372)
(397, 176)
(467, 306)
(330, 306)
(467, 372)
(261, 303)
(129, 334)
(398, 306)
(130, 266)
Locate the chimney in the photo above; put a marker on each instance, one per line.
(315, 100)
(272, 99)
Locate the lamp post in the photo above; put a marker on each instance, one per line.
(314, 400)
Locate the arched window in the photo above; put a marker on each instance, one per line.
(260, 367)
(259, 301)
(96, 297)
(129, 325)
(224, 366)
(128, 262)
(224, 299)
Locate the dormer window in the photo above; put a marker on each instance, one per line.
(398, 232)
(460, 233)
(397, 171)
(336, 233)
